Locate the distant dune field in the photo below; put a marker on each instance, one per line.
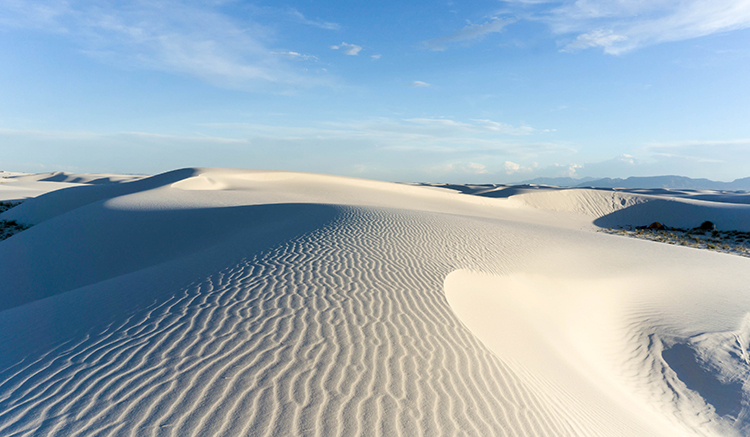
(211, 302)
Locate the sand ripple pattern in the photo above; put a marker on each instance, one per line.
(342, 331)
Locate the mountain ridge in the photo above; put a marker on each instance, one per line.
(666, 181)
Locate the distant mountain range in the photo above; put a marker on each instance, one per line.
(677, 182)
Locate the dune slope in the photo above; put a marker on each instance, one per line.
(229, 302)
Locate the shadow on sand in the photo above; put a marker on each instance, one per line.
(96, 243)
(726, 398)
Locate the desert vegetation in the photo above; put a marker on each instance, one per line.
(9, 227)
(4, 206)
(706, 236)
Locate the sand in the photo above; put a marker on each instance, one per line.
(15, 186)
(241, 302)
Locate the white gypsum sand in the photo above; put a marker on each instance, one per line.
(239, 302)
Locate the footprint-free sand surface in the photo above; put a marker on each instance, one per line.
(212, 302)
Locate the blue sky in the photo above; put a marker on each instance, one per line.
(478, 91)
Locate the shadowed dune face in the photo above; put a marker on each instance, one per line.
(680, 214)
(514, 191)
(58, 202)
(95, 243)
(716, 365)
(93, 179)
(725, 396)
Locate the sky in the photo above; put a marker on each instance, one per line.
(433, 91)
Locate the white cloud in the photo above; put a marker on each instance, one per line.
(295, 55)
(476, 168)
(470, 32)
(454, 168)
(618, 26)
(742, 142)
(506, 128)
(598, 38)
(476, 125)
(40, 15)
(391, 149)
(115, 152)
(675, 159)
(513, 168)
(132, 135)
(375, 57)
(297, 15)
(530, 2)
(705, 151)
(573, 169)
(54, 135)
(434, 135)
(419, 84)
(348, 49)
(192, 38)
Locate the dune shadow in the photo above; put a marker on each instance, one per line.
(669, 212)
(504, 193)
(96, 243)
(74, 277)
(726, 398)
(58, 202)
(62, 177)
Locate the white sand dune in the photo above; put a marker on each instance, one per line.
(88, 178)
(19, 186)
(237, 302)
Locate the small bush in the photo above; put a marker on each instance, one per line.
(4, 206)
(10, 227)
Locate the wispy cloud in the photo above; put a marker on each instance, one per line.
(529, 2)
(42, 134)
(713, 159)
(414, 149)
(598, 38)
(511, 167)
(470, 32)
(742, 142)
(297, 15)
(460, 168)
(433, 135)
(707, 151)
(419, 84)
(140, 136)
(35, 15)
(476, 125)
(618, 26)
(295, 55)
(192, 38)
(120, 152)
(348, 49)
